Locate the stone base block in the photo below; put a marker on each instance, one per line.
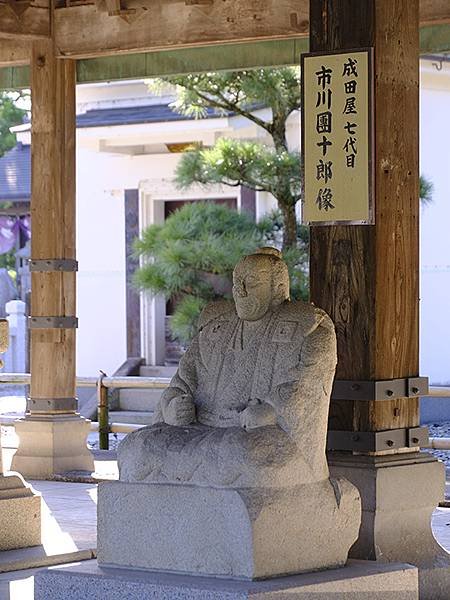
(399, 494)
(247, 534)
(20, 514)
(359, 580)
(50, 445)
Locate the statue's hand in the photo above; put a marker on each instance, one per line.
(257, 414)
(180, 411)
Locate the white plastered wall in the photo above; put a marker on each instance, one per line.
(435, 224)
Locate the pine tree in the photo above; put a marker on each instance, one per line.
(269, 167)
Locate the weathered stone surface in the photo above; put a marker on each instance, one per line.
(399, 494)
(233, 533)
(248, 405)
(52, 445)
(360, 580)
(240, 434)
(20, 513)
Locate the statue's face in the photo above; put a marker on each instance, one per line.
(252, 288)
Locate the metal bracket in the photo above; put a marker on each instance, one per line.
(52, 404)
(377, 441)
(418, 437)
(388, 389)
(53, 264)
(52, 322)
(417, 386)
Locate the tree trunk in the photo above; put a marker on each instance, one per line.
(290, 225)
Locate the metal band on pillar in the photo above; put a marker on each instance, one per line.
(59, 265)
(377, 441)
(52, 322)
(387, 389)
(46, 405)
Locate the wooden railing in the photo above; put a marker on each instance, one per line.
(103, 383)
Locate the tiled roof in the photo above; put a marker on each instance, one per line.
(15, 174)
(15, 165)
(155, 113)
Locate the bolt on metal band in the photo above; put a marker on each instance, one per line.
(52, 404)
(53, 264)
(389, 389)
(52, 322)
(377, 441)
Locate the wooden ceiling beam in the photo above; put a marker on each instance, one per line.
(95, 28)
(14, 54)
(434, 12)
(88, 30)
(91, 28)
(24, 19)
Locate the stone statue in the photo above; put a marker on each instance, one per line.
(248, 405)
(245, 414)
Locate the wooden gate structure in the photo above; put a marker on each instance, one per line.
(366, 277)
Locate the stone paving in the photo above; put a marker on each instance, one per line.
(73, 508)
(70, 515)
(69, 534)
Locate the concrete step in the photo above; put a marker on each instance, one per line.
(138, 399)
(157, 371)
(131, 416)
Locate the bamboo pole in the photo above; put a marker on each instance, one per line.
(103, 416)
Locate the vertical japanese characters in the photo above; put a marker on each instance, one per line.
(349, 75)
(336, 134)
(324, 127)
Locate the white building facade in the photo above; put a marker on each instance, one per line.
(122, 150)
(435, 222)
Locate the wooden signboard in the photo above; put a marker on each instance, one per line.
(337, 138)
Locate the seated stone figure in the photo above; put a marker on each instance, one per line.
(248, 405)
(231, 480)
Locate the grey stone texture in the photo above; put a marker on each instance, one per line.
(20, 513)
(249, 534)
(360, 580)
(399, 494)
(248, 405)
(52, 444)
(240, 434)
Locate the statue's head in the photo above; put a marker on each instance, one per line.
(260, 283)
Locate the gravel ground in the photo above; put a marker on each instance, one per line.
(114, 440)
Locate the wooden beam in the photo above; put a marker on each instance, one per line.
(190, 60)
(24, 19)
(14, 78)
(433, 39)
(434, 12)
(13, 53)
(53, 216)
(103, 27)
(367, 277)
(52, 435)
(86, 31)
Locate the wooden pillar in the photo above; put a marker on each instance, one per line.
(52, 436)
(367, 279)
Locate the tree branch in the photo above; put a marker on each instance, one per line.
(226, 105)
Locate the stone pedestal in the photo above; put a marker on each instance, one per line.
(247, 534)
(52, 444)
(399, 494)
(20, 513)
(359, 580)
